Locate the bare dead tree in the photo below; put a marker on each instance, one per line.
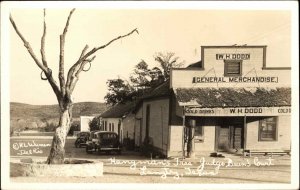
(64, 90)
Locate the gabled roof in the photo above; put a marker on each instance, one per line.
(161, 90)
(119, 110)
(196, 65)
(233, 97)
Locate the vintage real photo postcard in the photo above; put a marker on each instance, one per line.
(131, 95)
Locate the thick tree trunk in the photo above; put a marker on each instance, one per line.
(57, 152)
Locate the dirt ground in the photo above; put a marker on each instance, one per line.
(125, 175)
(202, 170)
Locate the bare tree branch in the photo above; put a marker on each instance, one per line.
(73, 74)
(75, 70)
(76, 66)
(66, 88)
(68, 21)
(104, 46)
(44, 69)
(61, 55)
(53, 84)
(27, 45)
(43, 43)
(64, 91)
(83, 51)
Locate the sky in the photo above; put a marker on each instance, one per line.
(182, 31)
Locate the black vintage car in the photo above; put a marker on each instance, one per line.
(92, 138)
(104, 141)
(81, 139)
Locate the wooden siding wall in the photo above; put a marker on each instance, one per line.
(128, 126)
(115, 121)
(159, 123)
(214, 67)
(176, 138)
(184, 79)
(208, 143)
(283, 139)
(255, 61)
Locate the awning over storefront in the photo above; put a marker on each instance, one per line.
(234, 101)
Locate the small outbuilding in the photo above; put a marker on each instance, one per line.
(85, 122)
(120, 119)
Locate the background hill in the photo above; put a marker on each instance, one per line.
(26, 116)
(20, 110)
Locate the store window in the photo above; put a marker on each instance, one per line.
(109, 126)
(199, 133)
(105, 125)
(268, 129)
(113, 127)
(233, 68)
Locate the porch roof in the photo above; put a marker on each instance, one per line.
(233, 97)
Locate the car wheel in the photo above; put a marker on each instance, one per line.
(88, 150)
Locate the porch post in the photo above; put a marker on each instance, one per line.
(245, 132)
(191, 141)
(183, 134)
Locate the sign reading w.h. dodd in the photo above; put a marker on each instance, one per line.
(233, 56)
(242, 111)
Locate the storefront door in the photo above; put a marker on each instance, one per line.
(236, 137)
(223, 138)
(230, 134)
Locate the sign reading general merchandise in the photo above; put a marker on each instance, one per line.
(245, 111)
(267, 79)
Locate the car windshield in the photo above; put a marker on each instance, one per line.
(105, 136)
(82, 134)
(93, 135)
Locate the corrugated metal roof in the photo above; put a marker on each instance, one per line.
(234, 97)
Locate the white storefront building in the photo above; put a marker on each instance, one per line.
(230, 101)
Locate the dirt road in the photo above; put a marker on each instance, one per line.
(130, 167)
